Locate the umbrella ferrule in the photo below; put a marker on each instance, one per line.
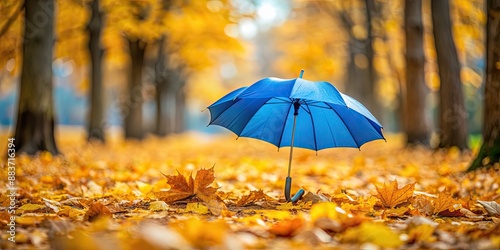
(296, 106)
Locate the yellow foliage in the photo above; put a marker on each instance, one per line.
(81, 194)
(328, 210)
(375, 233)
(202, 234)
(197, 208)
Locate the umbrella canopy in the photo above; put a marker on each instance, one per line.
(297, 113)
(326, 118)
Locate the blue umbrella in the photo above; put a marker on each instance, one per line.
(296, 113)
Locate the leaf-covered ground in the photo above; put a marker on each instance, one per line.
(195, 191)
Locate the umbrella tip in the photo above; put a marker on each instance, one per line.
(301, 73)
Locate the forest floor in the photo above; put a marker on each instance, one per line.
(139, 195)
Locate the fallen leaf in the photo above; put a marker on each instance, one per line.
(251, 198)
(201, 234)
(28, 220)
(328, 210)
(443, 202)
(31, 207)
(423, 205)
(144, 187)
(216, 206)
(396, 212)
(197, 208)
(492, 207)
(314, 198)
(287, 228)
(182, 188)
(422, 233)
(391, 196)
(204, 177)
(96, 210)
(375, 233)
(158, 206)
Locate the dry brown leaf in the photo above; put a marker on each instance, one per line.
(492, 207)
(391, 196)
(314, 198)
(216, 206)
(182, 188)
(251, 198)
(95, 211)
(204, 177)
(423, 205)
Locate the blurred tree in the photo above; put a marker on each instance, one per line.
(452, 113)
(133, 119)
(35, 116)
(489, 154)
(137, 22)
(162, 126)
(356, 18)
(338, 49)
(95, 126)
(415, 122)
(321, 54)
(184, 50)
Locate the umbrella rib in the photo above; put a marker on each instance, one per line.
(350, 132)
(317, 106)
(234, 102)
(314, 127)
(284, 125)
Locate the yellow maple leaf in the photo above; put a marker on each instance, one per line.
(443, 202)
(391, 196)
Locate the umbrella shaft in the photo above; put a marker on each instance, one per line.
(291, 146)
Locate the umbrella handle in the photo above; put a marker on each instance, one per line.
(288, 187)
(297, 195)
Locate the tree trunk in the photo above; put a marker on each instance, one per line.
(361, 75)
(489, 154)
(371, 100)
(416, 124)
(133, 120)
(36, 114)
(180, 109)
(452, 113)
(96, 123)
(163, 116)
